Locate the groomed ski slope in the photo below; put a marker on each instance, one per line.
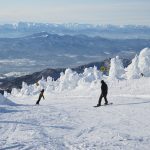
(68, 121)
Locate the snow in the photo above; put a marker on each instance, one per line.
(5, 101)
(67, 120)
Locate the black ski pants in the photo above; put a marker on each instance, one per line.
(39, 99)
(105, 98)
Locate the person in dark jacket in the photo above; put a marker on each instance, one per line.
(104, 91)
(40, 96)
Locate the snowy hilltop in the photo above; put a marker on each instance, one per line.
(66, 118)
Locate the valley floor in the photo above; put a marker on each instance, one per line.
(70, 122)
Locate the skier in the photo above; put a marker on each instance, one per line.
(104, 91)
(40, 96)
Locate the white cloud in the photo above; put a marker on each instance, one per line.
(17, 62)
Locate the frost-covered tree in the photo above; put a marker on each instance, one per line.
(42, 83)
(49, 84)
(15, 92)
(6, 93)
(97, 74)
(144, 62)
(116, 68)
(91, 74)
(26, 90)
(68, 80)
(132, 71)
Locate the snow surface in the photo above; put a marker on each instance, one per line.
(67, 120)
(5, 101)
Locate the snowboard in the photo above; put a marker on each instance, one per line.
(104, 105)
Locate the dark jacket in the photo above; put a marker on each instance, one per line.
(104, 88)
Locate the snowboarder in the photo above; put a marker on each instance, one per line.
(104, 91)
(40, 96)
(142, 75)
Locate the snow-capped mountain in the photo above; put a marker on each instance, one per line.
(108, 31)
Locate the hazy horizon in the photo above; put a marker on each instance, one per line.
(61, 23)
(129, 12)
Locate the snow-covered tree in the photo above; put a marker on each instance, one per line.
(97, 74)
(68, 80)
(91, 74)
(5, 94)
(132, 71)
(49, 84)
(116, 68)
(26, 90)
(144, 62)
(15, 92)
(42, 83)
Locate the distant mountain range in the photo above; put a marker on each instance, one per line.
(28, 47)
(107, 31)
(44, 50)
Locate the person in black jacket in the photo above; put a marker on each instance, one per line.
(104, 91)
(40, 96)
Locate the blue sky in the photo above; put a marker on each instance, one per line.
(118, 12)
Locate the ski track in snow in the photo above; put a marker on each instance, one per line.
(74, 124)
